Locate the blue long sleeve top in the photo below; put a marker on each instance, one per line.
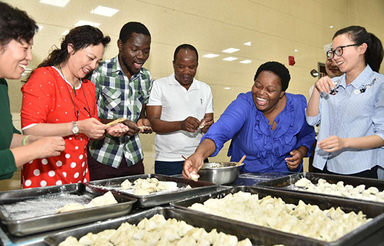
(251, 134)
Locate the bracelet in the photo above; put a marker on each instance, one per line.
(23, 143)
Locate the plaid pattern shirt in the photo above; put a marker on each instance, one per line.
(119, 97)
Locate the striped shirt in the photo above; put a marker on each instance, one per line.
(356, 110)
(119, 97)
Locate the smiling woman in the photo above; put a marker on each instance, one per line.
(16, 38)
(58, 100)
(267, 125)
(351, 135)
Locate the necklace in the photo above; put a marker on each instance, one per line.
(88, 110)
(73, 87)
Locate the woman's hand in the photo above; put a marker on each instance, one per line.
(331, 144)
(117, 130)
(325, 84)
(48, 146)
(296, 158)
(92, 128)
(192, 165)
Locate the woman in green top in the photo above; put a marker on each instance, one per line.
(16, 39)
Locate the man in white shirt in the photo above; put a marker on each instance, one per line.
(180, 109)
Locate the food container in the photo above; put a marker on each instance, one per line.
(258, 236)
(33, 210)
(288, 183)
(220, 172)
(157, 198)
(371, 233)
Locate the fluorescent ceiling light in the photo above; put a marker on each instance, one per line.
(40, 27)
(105, 11)
(83, 22)
(246, 61)
(210, 55)
(58, 3)
(296, 50)
(248, 43)
(65, 33)
(227, 88)
(230, 58)
(230, 50)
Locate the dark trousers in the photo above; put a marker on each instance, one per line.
(170, 167)
(365, 174)
(99, 171)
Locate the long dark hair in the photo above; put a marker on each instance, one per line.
(80, 37)
(374, 53)
(15, 24)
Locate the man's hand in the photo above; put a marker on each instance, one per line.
(145, 126)
(133, 128)
(190, 124)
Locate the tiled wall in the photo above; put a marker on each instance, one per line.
(275, 28)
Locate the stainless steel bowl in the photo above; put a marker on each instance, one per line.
(220, 172)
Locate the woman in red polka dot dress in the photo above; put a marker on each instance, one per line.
(59, 101)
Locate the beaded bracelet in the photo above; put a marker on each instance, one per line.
(23, 143)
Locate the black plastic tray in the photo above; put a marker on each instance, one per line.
(371, 233)
(284, 183)
(257, 236)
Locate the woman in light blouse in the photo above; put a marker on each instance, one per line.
(350, 108)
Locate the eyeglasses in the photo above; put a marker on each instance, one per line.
(338, 50)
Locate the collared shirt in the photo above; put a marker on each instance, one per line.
(119, 97)
(356, 110)
(177, 103)
(251, 134)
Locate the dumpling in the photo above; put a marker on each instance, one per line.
(302, 183)
(126, 185)
(70, 241)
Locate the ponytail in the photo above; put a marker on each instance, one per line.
(374, 54)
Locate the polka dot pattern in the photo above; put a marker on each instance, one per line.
(45, 100)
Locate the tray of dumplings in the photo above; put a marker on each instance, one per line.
(152, 190)
(309, 219)
(36, 210)
(166, 226)
(371, 190)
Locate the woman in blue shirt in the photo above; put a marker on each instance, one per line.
(350, 107)
(266, 124)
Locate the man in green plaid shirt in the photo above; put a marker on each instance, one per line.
(122, 90)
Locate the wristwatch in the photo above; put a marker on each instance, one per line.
(75, 129)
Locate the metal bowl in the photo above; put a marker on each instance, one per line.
(220, 172)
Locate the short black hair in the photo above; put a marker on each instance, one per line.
(15, 24)
(278, 69)
(131, 27)
(186, 47)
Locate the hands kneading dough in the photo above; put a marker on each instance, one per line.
(157, 231)
(339, 189)
(105, 199)
(302, 219)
